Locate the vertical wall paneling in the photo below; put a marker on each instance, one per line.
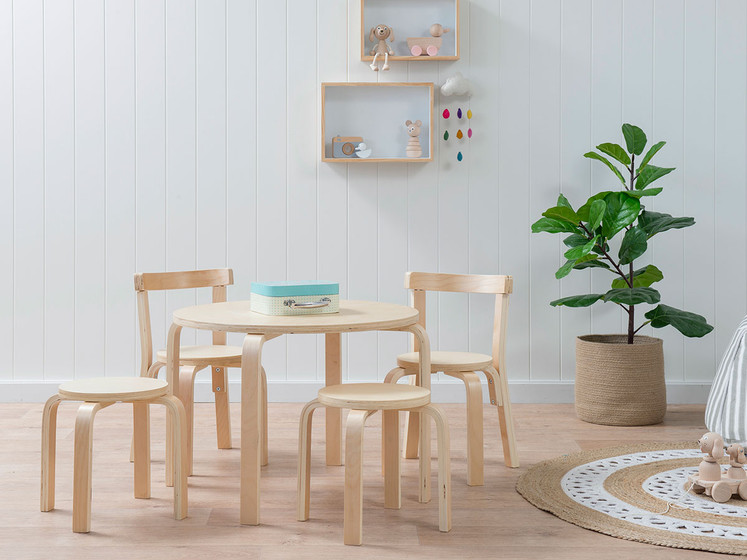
(7, 155)
(730, 156)
(514, 217)
(181, 149)
(120, 187)
(150, 152)
(699, 171)
(241, 149)
(272, 160)
(545, 250)
(90, 190)
(668, 125)
(59, 191)
(575, 170)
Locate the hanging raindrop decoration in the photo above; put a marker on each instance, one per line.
(459, 113)
(459, 134)
(446, 113)
(446, 135)
(459, 156)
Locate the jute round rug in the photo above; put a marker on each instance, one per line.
(624, 492)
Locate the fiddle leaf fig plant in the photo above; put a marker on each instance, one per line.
(621, 215)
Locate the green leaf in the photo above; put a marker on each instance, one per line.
(689, 324)
(650, 174)
(562, 213)
(585, 210)
(633, 245)
(576, 253)
(596, 213)
(632, 296)
(608, 163)
(635, 139)
(615, 151)
(591, 264)
(565, 270)
(656, 222)
(575, 240)
(563, 201)
(577, 301)
(651, 153)
(551, 225)
(642, 278)
(653, 191)
(621, 211)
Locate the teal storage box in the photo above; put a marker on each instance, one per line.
(295, 298)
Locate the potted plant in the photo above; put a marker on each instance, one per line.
(620, 378)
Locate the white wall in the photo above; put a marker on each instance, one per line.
(163, 135)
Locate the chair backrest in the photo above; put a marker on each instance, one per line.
(217, 279)
(500, 285)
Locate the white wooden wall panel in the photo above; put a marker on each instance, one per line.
(143, 136)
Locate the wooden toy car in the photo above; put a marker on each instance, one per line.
(424, 45)
(720, 490)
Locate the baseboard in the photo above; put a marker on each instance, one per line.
(445, 392)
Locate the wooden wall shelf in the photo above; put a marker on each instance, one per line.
(377, 113)
(411, 18)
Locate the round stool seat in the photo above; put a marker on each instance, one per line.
(447, 361)
(214, 355)
(374, 396)
(107, 389)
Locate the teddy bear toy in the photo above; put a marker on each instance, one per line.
(413, 145)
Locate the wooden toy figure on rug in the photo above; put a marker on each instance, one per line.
(413, 145)
(378, 35)
(710, 480)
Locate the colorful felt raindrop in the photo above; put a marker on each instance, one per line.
(459, 156)
(469, 113)
(446, 135)
(459, 113)
(459, 134)
(469, 133)
(446, 113)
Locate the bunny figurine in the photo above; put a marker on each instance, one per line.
(736, 460)
(713, 446)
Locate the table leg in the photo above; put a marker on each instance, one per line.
(424, 380)
(333, 376)
(251, 424)
(172, 377)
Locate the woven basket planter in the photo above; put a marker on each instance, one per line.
(620, 384)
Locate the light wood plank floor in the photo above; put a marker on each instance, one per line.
(488, 522)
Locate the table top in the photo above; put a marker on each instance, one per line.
(237, 316)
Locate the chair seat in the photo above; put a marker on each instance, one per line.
(214, 355)
(374, 396)
(447, 361)
(109, 389)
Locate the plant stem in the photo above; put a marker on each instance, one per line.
(643, 325)
(631, 312)
(632, 171)
(606, 256)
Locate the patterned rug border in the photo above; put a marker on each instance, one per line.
(540, 485)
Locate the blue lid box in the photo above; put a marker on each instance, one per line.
(295, 298)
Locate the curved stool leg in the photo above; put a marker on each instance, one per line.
(498, 385)
(444, 466)
(411, 437)
(263, 404)
(152, 372)
(48, 450)
(185, 393)
(180, 460)
(82, 466)
(390, 459)
(141, 447)
(222, 407)
(392, 377)
(304, 460)
(475, 452)
(353, 508)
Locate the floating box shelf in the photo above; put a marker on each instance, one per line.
(411, 18)
(377, 112)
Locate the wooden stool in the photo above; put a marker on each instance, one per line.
(364, 399)
(98, 393)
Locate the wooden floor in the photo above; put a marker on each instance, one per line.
(488, 522)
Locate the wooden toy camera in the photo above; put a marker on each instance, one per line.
(344, 146)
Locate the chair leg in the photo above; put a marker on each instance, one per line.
(152, 372)
(353, 508)
(411, 436)
(263, 403)
(391, 377)
(444, 466)
(475, 451)
(82, 467)
(222, 407)
(48, 451)
(178, 416)
(304, 460)
(390, 458)
(498, 385)
(141, 448)
(186, 395)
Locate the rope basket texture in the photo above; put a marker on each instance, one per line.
(620, 384)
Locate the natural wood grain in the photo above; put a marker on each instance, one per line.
(149, 281)
(251, 427)
(333, 376)
(374, 396)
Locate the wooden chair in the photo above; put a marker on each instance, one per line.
(98, 393)
(193, 359)
(364, 399)
(465, 365)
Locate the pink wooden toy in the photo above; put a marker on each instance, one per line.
(710, 480)
(427, 45)
(413, 145)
